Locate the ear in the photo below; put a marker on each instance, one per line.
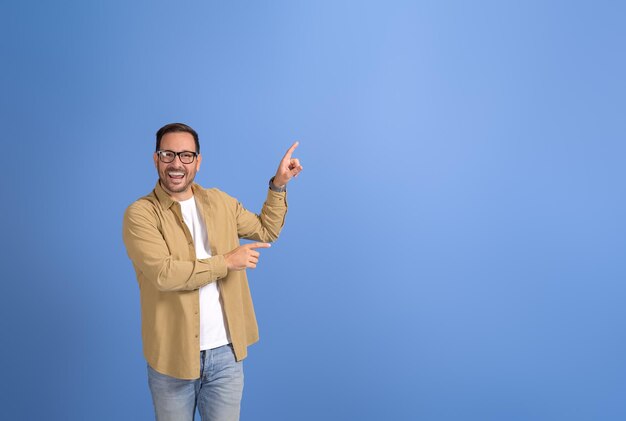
(198, 162)
(156, 160)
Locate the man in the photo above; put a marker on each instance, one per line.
(197, 314)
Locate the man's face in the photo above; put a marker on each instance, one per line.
(176, 177)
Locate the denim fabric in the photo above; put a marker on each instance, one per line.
(217, 393)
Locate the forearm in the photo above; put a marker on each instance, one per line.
(267, 225)
(180, 275)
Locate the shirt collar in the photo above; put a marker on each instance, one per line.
(164, 198)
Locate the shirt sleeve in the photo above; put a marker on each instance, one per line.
(267, 225)
(148, 251)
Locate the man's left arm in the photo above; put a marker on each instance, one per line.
(267, 225)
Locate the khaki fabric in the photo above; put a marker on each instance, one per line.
(161, 248)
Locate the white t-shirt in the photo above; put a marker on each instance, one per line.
(213, 330)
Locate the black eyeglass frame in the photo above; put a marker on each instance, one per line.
(176, 154)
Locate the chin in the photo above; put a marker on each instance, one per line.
(179, 189)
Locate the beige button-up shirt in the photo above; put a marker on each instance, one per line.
(162, 251)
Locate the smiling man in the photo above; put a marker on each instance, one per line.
(197, 313)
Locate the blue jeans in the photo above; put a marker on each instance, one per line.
(217, 392)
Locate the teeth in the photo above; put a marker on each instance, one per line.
(176, 174)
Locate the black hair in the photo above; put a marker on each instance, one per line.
(176, 128)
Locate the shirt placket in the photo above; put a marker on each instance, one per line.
(192, 255)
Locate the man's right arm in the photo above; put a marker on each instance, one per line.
(147, 249)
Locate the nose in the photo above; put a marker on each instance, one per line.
(175, 163)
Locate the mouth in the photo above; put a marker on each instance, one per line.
(176, 175)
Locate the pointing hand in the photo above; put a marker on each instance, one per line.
(244, 256)
(288, 168)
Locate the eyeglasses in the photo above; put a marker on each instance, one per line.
(186, 157)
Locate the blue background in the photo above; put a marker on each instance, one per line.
(454, 249)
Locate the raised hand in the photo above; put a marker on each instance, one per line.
(244, 256)
(288, 168)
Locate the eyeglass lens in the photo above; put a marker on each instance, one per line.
(185, 157)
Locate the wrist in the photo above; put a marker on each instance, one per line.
(274, 186)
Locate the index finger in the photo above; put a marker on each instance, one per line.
(259, 245)
(290, 150)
